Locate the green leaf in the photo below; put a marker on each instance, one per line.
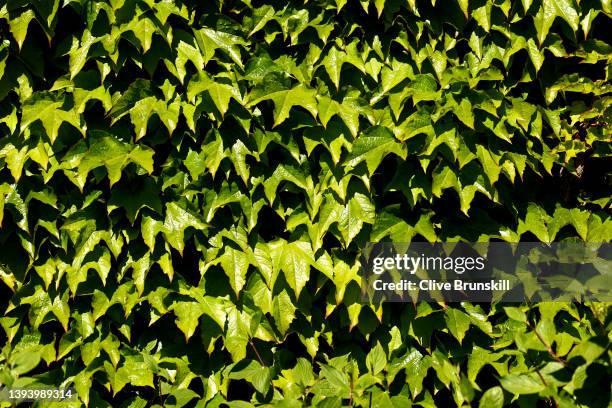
(78, 54)
(489, 164)
(358, 211)
(516, 314)
(284, 100)
(337, 380)
(210, 40)
(220, 93)
(213, 152)
(283, 173)
(48, 109)
(391, 76)
(283, 311)
(24, 361)
(19, 26)
(236, 336)
(482, 15)
(535, 221)
(373, 146)
(457, 322)
(574, 217)
(138, 90)
(588, 350)
(333, 64)
(492, 398)
(376, 360)
(348, 111)
(176, 222)
(464, 5)
(567, 10)
(464, 113)
(143, 109)
(40, 306)
(106, 150)
(261, 16)
(188, 314)
(551, 9)
(254, 373)
(61, 310)
(235, 264)
(519, 384)
(134, 371)
(294, 259)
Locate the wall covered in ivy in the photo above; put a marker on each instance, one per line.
(186, 187)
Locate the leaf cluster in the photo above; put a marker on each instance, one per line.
(186, 187)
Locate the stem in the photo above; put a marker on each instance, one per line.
(548, 347)
(256, 352)
(554, 402)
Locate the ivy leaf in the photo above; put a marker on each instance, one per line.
(387, 224)
(588, 350)
(492, 398)
(444, 177)
(220, 93)
(516, 314)
(489, 164)
(134, 371)
(283, 311)
(482, 15)
(78, 55)
(294, 259)
(567, 10)
(283, 173)
(373, 146)
(47, 108)
(519, 384)
(144, 30)
(358, 211)
(551, 9)
(391, 76)
(210, 40)
(61, 309)
(235, 264)
(19, 26)
(106, 150)
(176, 222)
(348, 111)
(254, 373)
(464, 5)
(535, 221)
(337, 380)
(333, 64)
(188, 314)
(138, 90)
(376, 360)
(457, 322)
(261, 16)
(213, 152)
(284, 100)
(464, 113)
(236, 336)
(574, 217)
(143, 109)
(40, 306)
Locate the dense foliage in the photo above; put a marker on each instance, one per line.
(186, 186)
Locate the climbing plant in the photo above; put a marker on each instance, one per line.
(186, 186)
